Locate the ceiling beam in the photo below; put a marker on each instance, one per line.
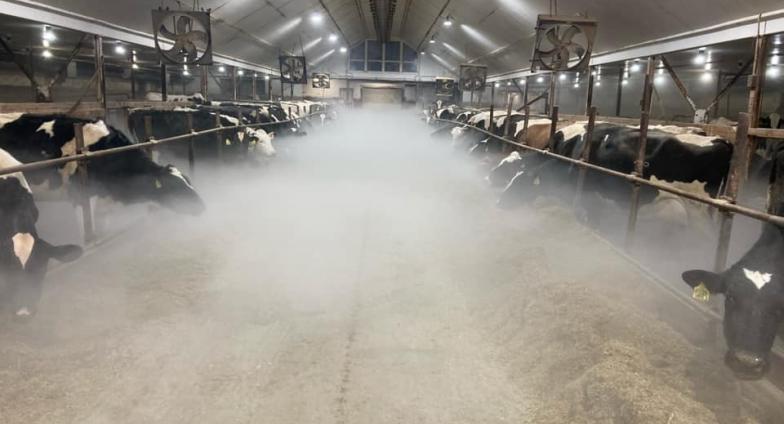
(435, 21)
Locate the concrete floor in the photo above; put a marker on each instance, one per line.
(364, 277)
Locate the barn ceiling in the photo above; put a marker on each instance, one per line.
(498, 33)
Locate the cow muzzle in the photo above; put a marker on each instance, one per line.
(747, 365)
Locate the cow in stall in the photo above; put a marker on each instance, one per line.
(681, 158)
(24, 255)
(234, 142)
(753, 290)
(127, 177)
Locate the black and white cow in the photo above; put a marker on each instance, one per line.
(753, 290)
(669, 157)
(24, 256)
(234, 142)
(128, 177)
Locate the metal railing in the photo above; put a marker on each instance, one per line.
(83, 156)
(726, 204)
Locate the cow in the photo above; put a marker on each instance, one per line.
(177, 98)
(24, 256)
(234, 142)
(753, 290)
(669, 157)
(127, 177)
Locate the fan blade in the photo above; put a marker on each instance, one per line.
(552, 37)
(182, 24)
(195, 36)
(570, 33)
(166, 33)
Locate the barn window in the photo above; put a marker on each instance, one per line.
(392, 56)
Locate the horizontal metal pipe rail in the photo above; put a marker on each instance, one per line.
(34, 166)
(719, 204)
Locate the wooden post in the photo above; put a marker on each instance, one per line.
(133, 76)
(219, 137)
(291, 87)
(191, 156)
(553, 122)
(585, 156)
(507, 121)
(619, 96)
(492, 102)
(148, 133)
(254, 88)
(84, 195)
(100, 72)
(589, 95)
(639, 164)
(269, 88)
(526, 118)
(551, 94)
(234, 83)
(737, 169)
(282, 93)
(164, 89)
(205, 70)
(755, 85)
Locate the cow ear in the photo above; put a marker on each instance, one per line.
(712, 281)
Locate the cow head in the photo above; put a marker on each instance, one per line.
(261, 140)
(753, 309)
(174, 190)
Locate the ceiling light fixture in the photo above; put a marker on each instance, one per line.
(333, 38)
(119, 48)
(448, 21)
(343, 49)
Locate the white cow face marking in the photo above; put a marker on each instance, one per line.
(759, 279)
(23, 246)
(47, 127)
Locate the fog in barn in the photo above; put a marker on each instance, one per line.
(391, 212)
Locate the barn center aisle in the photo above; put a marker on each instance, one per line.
(366, 276)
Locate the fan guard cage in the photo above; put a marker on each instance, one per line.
(320, 80)
(293, 70)
(473, 77)
(563, 43)
(198, 28)
(445, 87)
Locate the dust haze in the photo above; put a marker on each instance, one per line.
(363, 275)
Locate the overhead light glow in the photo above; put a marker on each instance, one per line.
(120, 49)
(313, 43)
(433, 39)
(479, 37)
(635, 66)
(448, 21)
(562, 77)
(343, 49)
(333, 38)
(598, 83)
(316, 18)
(658, 80)
(46, 43)
(540, 79)
(625, 82)
(497, 85)
(452, 49)
(700, 58)
(48, 34)
(46, 54)
(267, 77)
(773, 72)
(185, 72)
(522, 80)
(775, 58)
(240, 72)
(323, 56)
(576, 85)
(708, 66)
(706, 77)
(135, 66)
(221, 68)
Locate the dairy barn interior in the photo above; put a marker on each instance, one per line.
(381, 211)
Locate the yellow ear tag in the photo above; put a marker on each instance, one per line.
(158, 184)
(701, 293)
